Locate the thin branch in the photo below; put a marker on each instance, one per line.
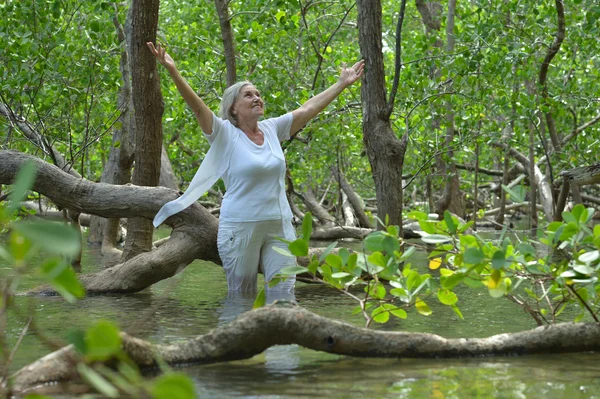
(398, 61)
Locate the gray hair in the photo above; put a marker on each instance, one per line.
(229, 97)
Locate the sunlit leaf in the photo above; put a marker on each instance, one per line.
(447, 297)
(457, 311)
(436, 239)
(422, 307)
(380, 315)
(260, 300)
(589, 257)
(173, 386)
(435, 263)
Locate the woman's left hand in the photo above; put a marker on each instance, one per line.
(350, 75)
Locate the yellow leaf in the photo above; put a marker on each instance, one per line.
(422, 307)
(435, 263)
(494, 280)
(328, 49)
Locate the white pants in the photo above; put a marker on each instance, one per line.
(243, 246)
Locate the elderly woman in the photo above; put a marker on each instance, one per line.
(246, 153)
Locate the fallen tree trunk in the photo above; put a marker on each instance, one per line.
(193, 236)
(283, 323)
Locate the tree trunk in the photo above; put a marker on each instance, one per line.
(353, 198)
(384, 150)
(228, 40)
(317, 209)
(120, 158)
(452, 198)
(193, 237)
(284, 323)
(542, 79)
(148, 109)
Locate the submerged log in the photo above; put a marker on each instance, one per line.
(284, 323)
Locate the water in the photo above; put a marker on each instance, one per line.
(195, 301)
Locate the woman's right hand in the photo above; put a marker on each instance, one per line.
(161, 55)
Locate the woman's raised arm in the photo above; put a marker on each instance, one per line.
(316, 104)
(203, 114)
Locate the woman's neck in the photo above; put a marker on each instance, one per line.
(249, 127)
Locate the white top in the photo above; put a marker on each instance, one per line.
(253, 174)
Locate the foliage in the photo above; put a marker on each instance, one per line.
(545, 276)
(389, 284)
(99, 343)
(558, 270)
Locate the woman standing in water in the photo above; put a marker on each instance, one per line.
(246, 153)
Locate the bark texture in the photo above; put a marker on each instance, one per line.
(283, 323)
(384, 150)
(148, 110)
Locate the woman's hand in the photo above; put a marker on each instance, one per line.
(350, 75)
(161, 55)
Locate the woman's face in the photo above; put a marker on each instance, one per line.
(248, 104)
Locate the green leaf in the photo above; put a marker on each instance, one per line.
(447, 297)
(417, 215)
(282, 251)
(56, 238)
(473, 256)
(378, 259)
(498, 260)
(422, 307)
(62, 277)
(260, 300)
(401, 294)
(293, 270)
(23, 182)
(102, 341)
(299, 247)
(449, 222)
(173, 386)
(374, 241)
(436, 239)
(517, 194)
(526, 249)
(334, 261)
(457, 311)
(307, 223)
(97, 381)
(375, 290)
(380, 315)
(329, 248)
(77, 339)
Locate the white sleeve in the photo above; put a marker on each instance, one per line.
(217, 127)
(282, 125)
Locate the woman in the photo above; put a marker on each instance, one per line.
(246, 152)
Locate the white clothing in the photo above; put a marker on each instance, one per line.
(251, 179)
(224, 139)
(244, 246)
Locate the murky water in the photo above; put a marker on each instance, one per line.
(195, 301)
